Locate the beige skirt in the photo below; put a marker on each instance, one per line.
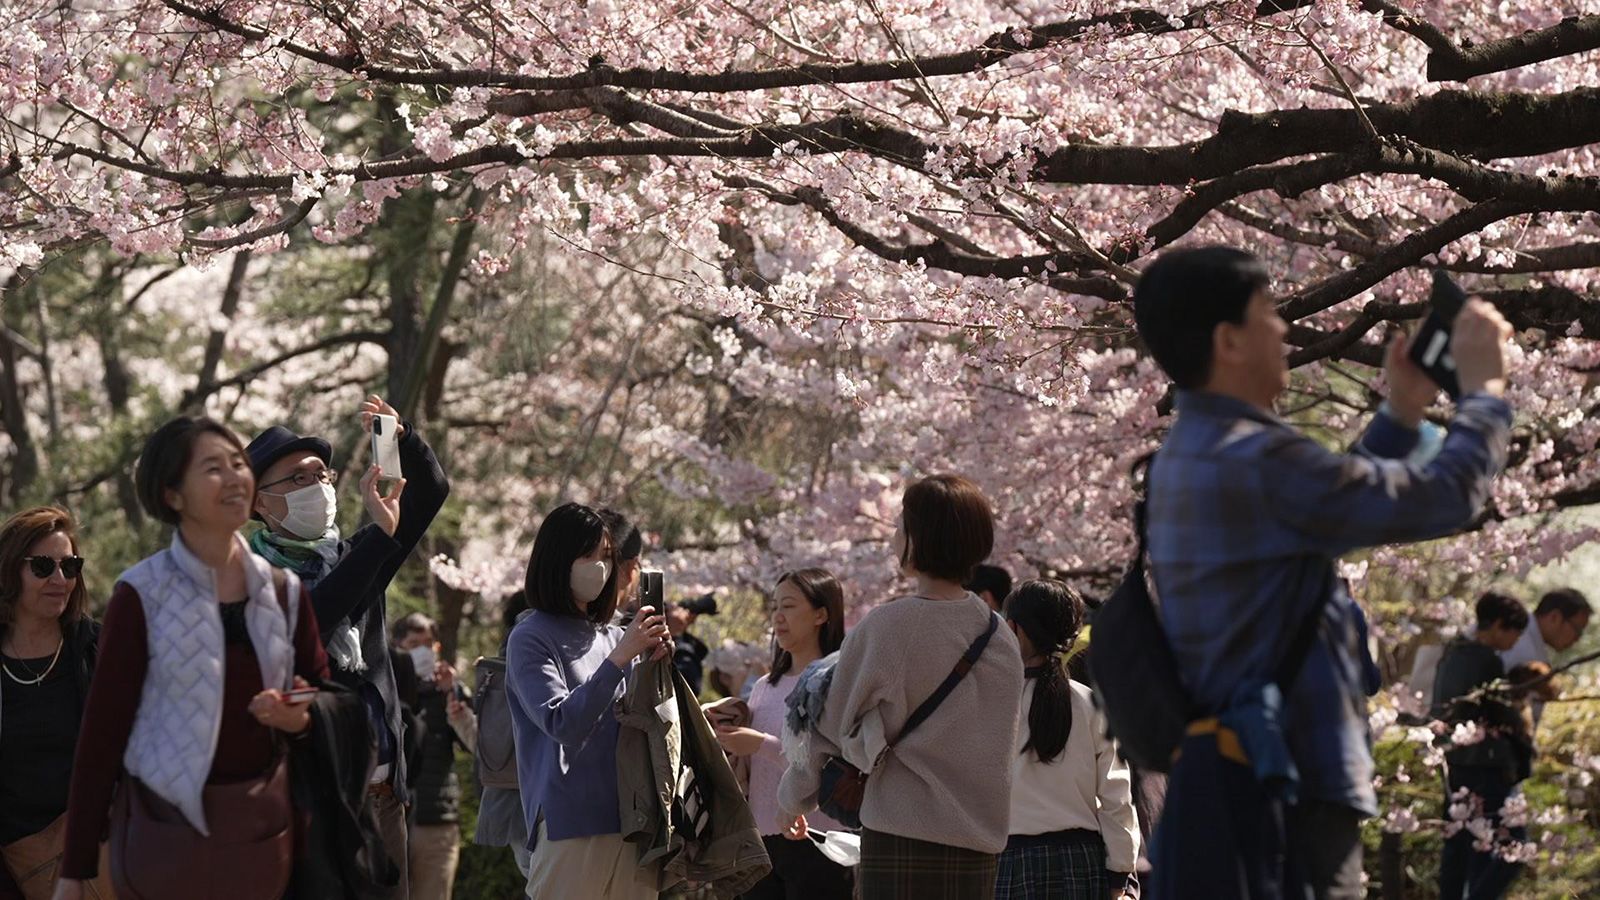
(35, 860)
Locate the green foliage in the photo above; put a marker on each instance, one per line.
(1561, 786)
(489, 873)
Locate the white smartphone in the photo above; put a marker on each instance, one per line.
(300, 695)
(386, 445)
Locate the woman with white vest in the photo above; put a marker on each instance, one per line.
(199, 645)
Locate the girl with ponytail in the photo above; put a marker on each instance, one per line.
(1074, 834)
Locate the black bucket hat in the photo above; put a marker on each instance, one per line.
(277, 442)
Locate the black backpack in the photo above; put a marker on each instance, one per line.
(1135, 674)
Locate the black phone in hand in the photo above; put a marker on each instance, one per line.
(1430, 349)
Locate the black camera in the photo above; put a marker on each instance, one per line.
(1430, 349)
(701, 606)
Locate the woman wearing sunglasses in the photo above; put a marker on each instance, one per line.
(47, 653)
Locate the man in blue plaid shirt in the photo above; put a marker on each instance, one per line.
(1247, 517)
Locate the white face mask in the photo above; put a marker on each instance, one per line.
(898, 546)
(311, 511)
(842, 847)
(423, 660)
(589, 578)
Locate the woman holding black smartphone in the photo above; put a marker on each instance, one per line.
(201, 644)
(566, 667)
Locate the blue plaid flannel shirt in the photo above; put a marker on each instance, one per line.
(1247, 517)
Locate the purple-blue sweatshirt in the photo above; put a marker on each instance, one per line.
(562, 690)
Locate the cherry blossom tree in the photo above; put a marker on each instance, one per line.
(743, 267)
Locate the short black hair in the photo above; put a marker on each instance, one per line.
(949, 527)
(625, 535)
(1570, 602)
(414, 622)
(569, 533)
(1507, 612)
(1182, 298)
(166, 455)
(991, 578)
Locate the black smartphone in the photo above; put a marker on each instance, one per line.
(1430, 349)
(652, 589)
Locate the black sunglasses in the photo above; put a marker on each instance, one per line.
(44, 566)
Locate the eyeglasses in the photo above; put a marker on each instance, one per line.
(306, 479)
(45, 566)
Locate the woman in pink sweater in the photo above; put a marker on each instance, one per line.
(807, 624)
(936, 811)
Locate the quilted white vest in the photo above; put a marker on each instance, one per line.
(180, 708)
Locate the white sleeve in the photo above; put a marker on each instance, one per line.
(1119, 822)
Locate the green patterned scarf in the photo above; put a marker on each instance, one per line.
(310, 560)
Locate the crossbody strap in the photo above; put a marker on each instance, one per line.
(962, 667)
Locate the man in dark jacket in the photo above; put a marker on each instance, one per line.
(436, 794)
(1487, 767)
(347, 578)
(689, 658)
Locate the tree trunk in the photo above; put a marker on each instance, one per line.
(217, 341)
(444, 295)
(25, 462)
(406, 236)
(450, 603)
(117, 383)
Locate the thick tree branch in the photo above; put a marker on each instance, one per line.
(1317, 297)
(295, 217)
(1466, 124)
(244, 376)
(942, 254)
(997, 48)
(1573, 35)
(1481, 125)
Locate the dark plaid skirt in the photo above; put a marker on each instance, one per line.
(1064, 865)
(902, 868)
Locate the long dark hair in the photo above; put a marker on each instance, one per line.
(822, 591)
(1050, 613)
(568, 534)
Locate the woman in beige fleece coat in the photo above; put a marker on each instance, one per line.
(937, 805)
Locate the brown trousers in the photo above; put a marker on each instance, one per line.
(35, 859)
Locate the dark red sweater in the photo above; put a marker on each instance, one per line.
(244, 745)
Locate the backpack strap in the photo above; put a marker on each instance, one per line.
(1295, 659)
(1300, 648)
(962, 667)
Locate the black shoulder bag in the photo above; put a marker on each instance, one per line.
(843, 786)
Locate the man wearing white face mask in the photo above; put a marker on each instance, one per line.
(347, 578)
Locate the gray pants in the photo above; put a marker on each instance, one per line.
(392, 829)
(523, 857)
(1327, 842)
